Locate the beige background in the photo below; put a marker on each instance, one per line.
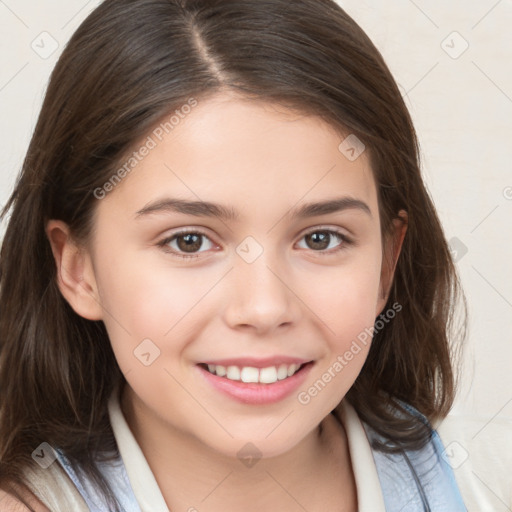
(453, 62)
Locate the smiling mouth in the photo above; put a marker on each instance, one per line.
(250, 374)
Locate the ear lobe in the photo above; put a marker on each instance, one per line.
(75, 273)
(392, 247)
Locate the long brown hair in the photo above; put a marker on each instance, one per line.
(130, 63)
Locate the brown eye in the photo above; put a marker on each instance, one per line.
(318, 240)
(326, 241)
(190, 242)
(185, 244)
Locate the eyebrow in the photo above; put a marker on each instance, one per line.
(209, 209)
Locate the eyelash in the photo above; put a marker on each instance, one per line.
(346, 242)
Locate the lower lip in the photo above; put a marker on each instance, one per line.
(255, 393)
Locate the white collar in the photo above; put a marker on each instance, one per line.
(369, 492)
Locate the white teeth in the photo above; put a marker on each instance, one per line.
(249, 374)
(292, 369)
(233, 373)
(282, 372)
(267, 375)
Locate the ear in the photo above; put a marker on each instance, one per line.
(391, 251)
(75, 272)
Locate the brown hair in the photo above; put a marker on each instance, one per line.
(130, 63)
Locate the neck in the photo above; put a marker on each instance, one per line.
(226, 483)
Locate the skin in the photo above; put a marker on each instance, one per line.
(297, 298)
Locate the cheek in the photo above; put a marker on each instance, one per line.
(145, 299)
(346, 297)
(344, 304)
(347, 313)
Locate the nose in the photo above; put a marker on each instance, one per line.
(262, 299)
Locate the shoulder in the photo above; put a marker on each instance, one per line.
(53, 489)
(11, 503)
(416, 477)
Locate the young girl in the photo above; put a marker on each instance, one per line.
(223, 283)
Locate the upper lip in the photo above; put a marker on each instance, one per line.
(258, 362)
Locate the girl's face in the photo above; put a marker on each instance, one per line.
(277, 281)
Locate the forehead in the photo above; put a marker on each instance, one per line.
(248, 155)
